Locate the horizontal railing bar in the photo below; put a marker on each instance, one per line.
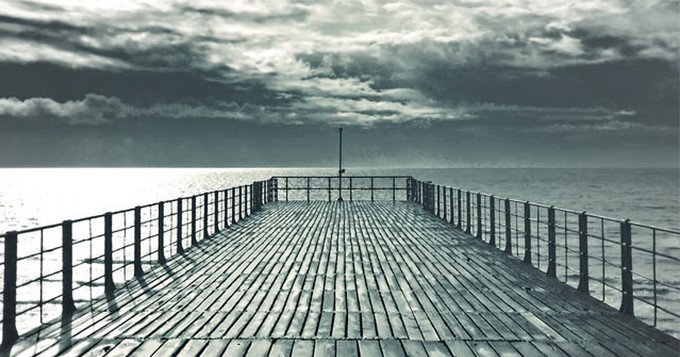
(343, 177)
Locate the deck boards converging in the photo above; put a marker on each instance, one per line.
(360, 278)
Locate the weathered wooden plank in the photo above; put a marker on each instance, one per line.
(192, 348)
(369, 348)
(303, 348)
(237, 348)
(350, 278)
(324, 348)
(215, 348)
(281, 348)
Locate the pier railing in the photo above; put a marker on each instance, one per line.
(48, 272)
(614, 260)
(350, 188)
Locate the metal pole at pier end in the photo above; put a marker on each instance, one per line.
(340, 169)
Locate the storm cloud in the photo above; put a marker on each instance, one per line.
(492, 68)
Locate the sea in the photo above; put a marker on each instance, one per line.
(32, 197)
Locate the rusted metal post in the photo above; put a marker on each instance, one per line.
(468, 228)
(138, 242)
(479, 215)
(583, 253)
(205, 215)
(67, 304)
(9, 295)
(508, 228)
(307, 189)
(626, 269)
(180, 248)
(492, 220)
(286, 189)
(527, 233)
(109, 286)
(193, 221)
(552, 253)
(161, 232)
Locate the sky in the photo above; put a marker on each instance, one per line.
(457, 83)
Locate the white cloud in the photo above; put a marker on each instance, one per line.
(96, 109)
(261, 40)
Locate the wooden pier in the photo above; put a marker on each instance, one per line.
(346, 278)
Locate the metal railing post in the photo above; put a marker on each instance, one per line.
(492, 220)
(444, 203)
(479, 215)
(508, 228)
(307, 189)
(626, 269)
(438, 209)
(460, 209)
(583, 253)
(226, 208)
(180, 249)
(371, 188)
(193, 220)
(286, 189)
(67, 304)
(109, 286)
(161, 232)
(233, 205)
(350, 189)
(248, 198)
(394, 189)
(552, 253)
(205, 215)
(468, 229)
(240, 203)
(408, 190)
(451, 208)
(138, 242)
(216, 212)
(9, 295)
(329, 189)
(527, 233)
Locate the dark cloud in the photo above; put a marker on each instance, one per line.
(123, 82)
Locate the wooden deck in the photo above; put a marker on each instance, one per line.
(347, 279)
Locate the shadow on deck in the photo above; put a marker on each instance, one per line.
(361, 278)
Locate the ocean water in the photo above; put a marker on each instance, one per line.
(37, 197)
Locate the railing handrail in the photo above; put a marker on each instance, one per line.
(512, 218)
(346, 176)
(571, 210)
(207, 213)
